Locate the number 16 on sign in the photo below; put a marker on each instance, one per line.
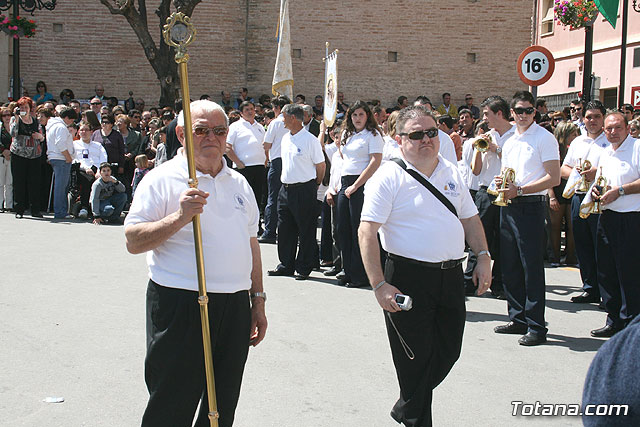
(535, 65)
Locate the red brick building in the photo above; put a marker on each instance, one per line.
(387, 49)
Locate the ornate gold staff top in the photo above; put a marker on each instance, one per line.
(179, 33)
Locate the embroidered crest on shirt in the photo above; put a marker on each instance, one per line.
(240, 203)
(450, 189)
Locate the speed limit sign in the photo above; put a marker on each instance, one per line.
(535, 65)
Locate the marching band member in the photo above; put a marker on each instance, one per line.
(533, 153)
(619, 226)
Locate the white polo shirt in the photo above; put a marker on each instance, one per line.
(415, 224)
(246, 140)
(229, 220)
(274, 134)
(622, 166)
(357, 150)
(491, 163)
(91, 154)
(391, 148)
(447, 147)
(464, 165)
(526, 153)
(300, 155)
(585, 148)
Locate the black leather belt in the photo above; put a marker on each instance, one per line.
(529, 199)
(444, 265)
(297, 184)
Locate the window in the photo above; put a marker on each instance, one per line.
(636, 57)
(297, 53)
(471, 57)
(392, 56)
(609, 97)
(547, 19)
(57, 28)
(572, 79)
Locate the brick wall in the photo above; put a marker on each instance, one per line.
(432, 39)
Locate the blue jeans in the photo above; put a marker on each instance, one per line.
(111, 208)
(271, 210)
(61, 174)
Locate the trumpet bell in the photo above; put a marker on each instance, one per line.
(481, 144)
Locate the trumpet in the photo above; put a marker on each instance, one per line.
(508, 176)
(481, 144)
(584, 185)
(600, 185)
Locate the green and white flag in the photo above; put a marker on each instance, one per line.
(609, 9)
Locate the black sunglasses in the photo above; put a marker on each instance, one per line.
(520, 110)
(418, 135)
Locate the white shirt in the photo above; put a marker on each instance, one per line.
(356, 152)
(229, 220)
(464, 165)
(390, 149)
(246, 141)
(415, 224)
(300, 155)
(89, 154)
(447, 148)
(335, 183)
(622, 166)
(526, 153)
(59, 139)
(585, 148)
(275, 132)
(491, 163)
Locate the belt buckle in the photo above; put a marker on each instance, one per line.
(447, 265)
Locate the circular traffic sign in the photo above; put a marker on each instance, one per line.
(535, 65)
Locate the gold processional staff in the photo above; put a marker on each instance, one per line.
(179, 33)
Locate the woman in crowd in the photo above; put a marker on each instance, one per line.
(91, 118)
(362, 147)
(112, 142)
(42, 95)
(560, 207)
(6, 180)
(26, 151)
(133, 145)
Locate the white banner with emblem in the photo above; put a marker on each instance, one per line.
(331, 88)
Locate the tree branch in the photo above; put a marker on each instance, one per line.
(113, 10)
(186, 6)
(142, 11)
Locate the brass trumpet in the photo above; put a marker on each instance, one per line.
(508, 176)
(600, 185)
(584, 185)
(481, 144)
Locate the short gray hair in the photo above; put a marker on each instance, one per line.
(308, 109)
(410, 113)
(294, 110)
(203, 106)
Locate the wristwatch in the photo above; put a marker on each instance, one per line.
(484, 253)
(519, 191)
(621, 191)
(498, 150)
(262, 295)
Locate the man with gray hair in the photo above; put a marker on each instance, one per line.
(309, 122)
(302, 170)
(159, 223)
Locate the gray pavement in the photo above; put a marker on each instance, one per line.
(72, 309)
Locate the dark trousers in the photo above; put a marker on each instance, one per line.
(618, 255)
(349, 210)
(174, 366)
(522, 256)
(432, 329)
(584, 236)
(490, 217)
(273, 191)
(326, 240)
(84, 182)
(297, 219)
(26, 183)
(255, 177)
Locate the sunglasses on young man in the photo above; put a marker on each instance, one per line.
(418, 135)
(521, 110)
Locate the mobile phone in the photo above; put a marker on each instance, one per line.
(404, 302)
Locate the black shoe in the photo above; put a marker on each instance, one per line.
(18, 215)
(343, 282)
(357, 285)
(270, 240)
(585, 298)
(279, 272)
(326, 264)
(37, 215)
(498, 295)
(332, 272)
(531, 338)
(470, 291)
(341, 275)
(301, 276)
(605, 332)
(511, 328)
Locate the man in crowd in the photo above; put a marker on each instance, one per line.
(310, 124)
(449, 139)
(446, 108)
(90, 155)
(225, 102)
(380, 115)
(107, 198)
(424, 101)
(302, 171)
(424, 260)
(96, 105)
(466, 124)
(342, 106)
(272, 139)
(619, 226)
(99, 92)
(244, 96)
(160, 222)
(586, 147)
(139, 104)
(318, 108)
(60, 152)
(468, 105)
(541, 106)
(577, 114)
(532, 152)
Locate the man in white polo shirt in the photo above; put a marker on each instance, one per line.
(302, 170)
(159, 223)
(587, 146)
(272, 139)
(244, 148)
(533, 153)
(425, 242)
(619, 226)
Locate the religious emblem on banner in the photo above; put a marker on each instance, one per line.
(331, 88)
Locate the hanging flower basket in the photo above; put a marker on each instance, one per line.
(575, 13)
(18, 27)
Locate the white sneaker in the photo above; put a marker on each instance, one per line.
(83, 213)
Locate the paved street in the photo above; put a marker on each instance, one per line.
(72, 309)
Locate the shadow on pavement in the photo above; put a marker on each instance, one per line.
(563, 290)
(575, 343)
(474, 316)
(571, 307)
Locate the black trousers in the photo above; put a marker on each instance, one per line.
(349, 210)
(522, 249)
(297, 220)
(26, 183)
(174, 366)
(490, 217)
(256, 177)
(326, 239)
(432, 329)
(618, 255)
(584, 236)
(84, 182)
